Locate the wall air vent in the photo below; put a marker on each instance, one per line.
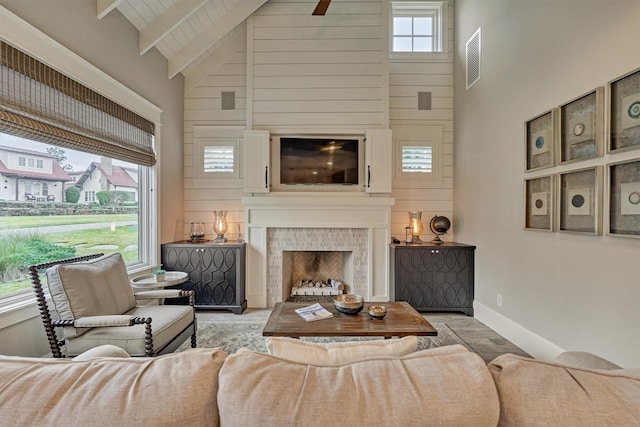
(472, 51)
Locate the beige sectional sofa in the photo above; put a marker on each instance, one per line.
(377, 384)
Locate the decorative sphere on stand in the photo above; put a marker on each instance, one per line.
(439, 225)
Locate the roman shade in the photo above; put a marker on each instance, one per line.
(42, 104)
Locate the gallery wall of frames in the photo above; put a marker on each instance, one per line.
(586, 188)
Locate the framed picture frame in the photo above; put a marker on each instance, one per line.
(623, 126)
(540, 136)
(538, 203)
(580, 201)
(623, 180)
(581, 131)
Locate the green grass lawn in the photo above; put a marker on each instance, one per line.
(122, 239)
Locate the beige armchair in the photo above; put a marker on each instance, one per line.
(94, 304)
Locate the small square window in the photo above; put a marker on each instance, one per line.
(417, 159)
(218, 158)
(217, 153)
(419, 26)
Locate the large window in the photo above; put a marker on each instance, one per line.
(418, 27)
(65, 217)
(75, 120)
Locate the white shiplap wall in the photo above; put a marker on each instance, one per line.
(325, 73)
(406, 79)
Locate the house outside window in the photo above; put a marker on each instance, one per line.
(22, 161)
(418, 28)
(39, 164)
(114, 223)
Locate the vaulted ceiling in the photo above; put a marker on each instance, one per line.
(192, 34)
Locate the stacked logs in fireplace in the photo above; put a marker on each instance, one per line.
(317, 287)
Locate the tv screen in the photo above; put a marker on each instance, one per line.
(318, 161)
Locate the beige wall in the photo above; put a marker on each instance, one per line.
(560, 290)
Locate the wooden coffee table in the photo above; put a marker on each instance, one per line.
(401, 320)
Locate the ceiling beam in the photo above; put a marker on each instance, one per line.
(218, 58)
(167, 21)
(225, 23)
(103, 7)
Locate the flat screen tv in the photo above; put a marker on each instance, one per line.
(318, 161)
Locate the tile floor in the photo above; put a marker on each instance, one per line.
(482, 339)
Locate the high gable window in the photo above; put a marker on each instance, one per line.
(418, 26)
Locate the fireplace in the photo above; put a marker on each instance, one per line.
(284, 242)
(356, 226)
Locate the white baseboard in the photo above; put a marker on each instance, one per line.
(535, 345)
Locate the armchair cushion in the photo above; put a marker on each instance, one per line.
(91, 288)
(168, 321)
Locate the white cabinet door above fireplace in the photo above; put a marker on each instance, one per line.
(378, 158)
(256, 161)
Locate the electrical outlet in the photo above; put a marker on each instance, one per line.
(499, 300)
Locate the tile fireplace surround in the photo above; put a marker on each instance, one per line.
(356, 223)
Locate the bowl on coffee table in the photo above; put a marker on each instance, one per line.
(349, 303)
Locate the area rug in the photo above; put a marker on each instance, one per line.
(231, 336)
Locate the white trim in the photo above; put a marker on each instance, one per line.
(532, 343)
(17, 309)
(25, 37)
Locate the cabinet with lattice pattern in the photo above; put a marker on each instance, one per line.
(434, 277)
(216, 272)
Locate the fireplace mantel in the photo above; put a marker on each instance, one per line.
(312, 212)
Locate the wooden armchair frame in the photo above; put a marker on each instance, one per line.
(50, 324)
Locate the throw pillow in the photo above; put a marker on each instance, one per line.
(338, 353)
(107, 350)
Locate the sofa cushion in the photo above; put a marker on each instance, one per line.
(427, 387)
(582, 359)
(170, 390)
(90, 288)
(537, 393)
(338, 353)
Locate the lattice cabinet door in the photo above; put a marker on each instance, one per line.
(216, 272)
(434, 277)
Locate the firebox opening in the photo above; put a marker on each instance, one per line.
(316, 272)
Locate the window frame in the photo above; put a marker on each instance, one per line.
(218, 136)
(32, 41)
(422, 136)
(439, 10)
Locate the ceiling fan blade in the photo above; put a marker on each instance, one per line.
(321, 8)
